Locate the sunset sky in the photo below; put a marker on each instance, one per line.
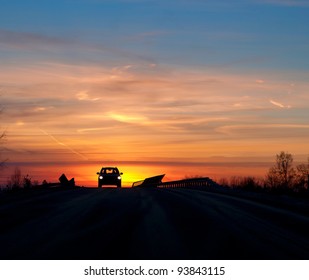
(183, 87)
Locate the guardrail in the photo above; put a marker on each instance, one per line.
(156, 182)
(190, 183)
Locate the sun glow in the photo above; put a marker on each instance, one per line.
(86, 175)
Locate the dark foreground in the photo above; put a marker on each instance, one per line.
(86, 223)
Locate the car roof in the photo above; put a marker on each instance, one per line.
(110, 168)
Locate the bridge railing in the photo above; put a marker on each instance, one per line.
(189, 183)
(156, 182)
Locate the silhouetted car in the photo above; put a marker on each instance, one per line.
(109, 176)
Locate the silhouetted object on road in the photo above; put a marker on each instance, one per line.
(151, 182)
(109, 176)
(65, 182)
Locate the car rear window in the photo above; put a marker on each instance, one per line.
(110, 171)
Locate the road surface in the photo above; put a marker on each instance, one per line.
(85, 223)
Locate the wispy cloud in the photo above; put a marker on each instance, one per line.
(64, 145)
(47, 44)
(84, 96)
(27, 40)
(290, 3)
(278, 104)
(133, 113)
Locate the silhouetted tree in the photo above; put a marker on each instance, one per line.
(2, 135)
(16, 179)
(1, 160)
(235, 182)
(246, 183)
(302, 176)
(250, 183)
(223, 182)
(35, 183)
(27, 182)
(282, 174)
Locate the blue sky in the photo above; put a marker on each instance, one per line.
(154, 81)
(229, 34)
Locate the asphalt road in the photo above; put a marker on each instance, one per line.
(147, 224)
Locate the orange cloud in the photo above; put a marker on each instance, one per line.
(97, 113)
